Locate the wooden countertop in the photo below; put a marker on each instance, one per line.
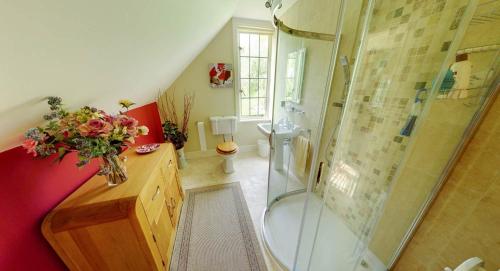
(96, 190)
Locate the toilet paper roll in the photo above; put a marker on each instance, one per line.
(201, 135)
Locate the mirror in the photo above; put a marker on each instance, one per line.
(294, 75)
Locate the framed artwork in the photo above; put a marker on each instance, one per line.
(221, 75)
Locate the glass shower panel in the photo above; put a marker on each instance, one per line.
(396, 83)
(282, 176)
(450, 109)
(301, 84)
(300, 89)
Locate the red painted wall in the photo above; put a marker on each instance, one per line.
(148, 115)
(29, 188)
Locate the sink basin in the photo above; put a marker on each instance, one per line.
(266, 128)
(280, 137)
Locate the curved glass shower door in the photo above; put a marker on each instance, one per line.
(289, 121)
(301, 89)
(407, 115)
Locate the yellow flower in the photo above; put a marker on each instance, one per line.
(126, 103)
(143, 130)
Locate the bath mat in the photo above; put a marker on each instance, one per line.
(215, 232)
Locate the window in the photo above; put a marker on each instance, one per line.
(254, 62)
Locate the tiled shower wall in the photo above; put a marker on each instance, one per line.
(463, 221)
(405, 47)
(438, 136)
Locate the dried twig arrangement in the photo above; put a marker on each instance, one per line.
(168, 112)
(188, 105)
(166, 103)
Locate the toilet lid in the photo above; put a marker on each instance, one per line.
(227, 147)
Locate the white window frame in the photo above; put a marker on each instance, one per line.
(253, 26)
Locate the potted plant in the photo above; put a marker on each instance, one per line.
(171, 131)
(90, 132)
(172, 134)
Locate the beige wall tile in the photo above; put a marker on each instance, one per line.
(467, 210)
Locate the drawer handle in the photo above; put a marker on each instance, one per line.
(171, 207)
(170, 163)
(156, 193)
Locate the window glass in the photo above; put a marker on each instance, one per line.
(254, 74)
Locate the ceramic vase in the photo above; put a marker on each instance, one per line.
(181, 158)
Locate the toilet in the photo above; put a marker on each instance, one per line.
(226, 126)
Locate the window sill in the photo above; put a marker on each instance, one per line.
(254, 120)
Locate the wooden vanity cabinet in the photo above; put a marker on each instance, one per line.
(128, 227)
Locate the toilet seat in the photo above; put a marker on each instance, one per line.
(227, 148)
(226, 153)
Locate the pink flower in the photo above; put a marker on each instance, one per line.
(30, 146)
(108, 118)
(95, 127)
(129, 123)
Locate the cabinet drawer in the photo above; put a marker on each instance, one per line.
(168, 168)
(153, 196)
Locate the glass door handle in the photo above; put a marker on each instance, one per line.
(320, 172)
(271, 139)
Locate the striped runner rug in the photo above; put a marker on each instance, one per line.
(215, 232)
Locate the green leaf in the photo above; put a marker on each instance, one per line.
(61, 153)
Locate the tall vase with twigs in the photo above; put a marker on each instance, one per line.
(173, 131)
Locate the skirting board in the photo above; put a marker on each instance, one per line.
(212, 152)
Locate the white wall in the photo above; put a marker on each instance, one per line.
(96, 52)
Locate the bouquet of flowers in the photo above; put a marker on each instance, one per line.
(90, 132)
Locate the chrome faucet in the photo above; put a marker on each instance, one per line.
(298, 111)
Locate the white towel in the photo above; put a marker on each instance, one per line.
(301, 154)
(461, 72)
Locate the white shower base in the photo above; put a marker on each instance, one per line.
(334, 248)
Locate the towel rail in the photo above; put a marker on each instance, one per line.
(479, 49)
(308, 132)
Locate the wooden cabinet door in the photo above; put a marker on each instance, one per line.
(152, 196)
(173, 198)
(162, 232)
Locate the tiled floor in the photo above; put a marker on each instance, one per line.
(252, 173)
(250, 170)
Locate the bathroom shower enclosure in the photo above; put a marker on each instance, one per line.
(357, 159)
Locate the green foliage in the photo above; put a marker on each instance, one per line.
(171, 133)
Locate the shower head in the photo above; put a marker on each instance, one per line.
(273, 5)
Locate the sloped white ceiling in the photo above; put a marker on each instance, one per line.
(253, 9)
(95, 52)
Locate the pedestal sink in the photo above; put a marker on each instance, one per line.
(279, 136)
